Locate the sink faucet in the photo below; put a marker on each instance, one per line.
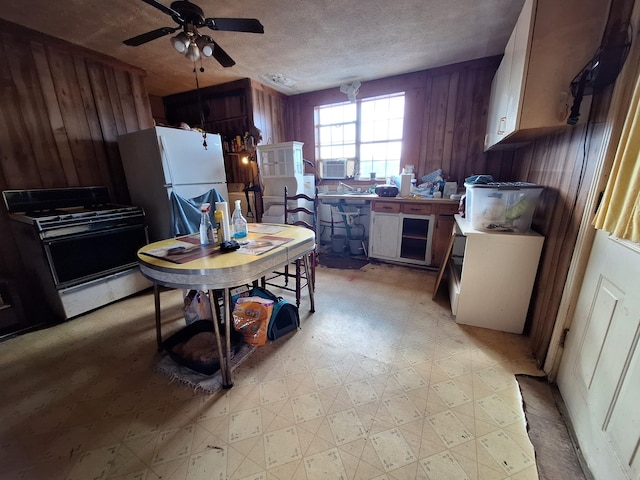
(342, 186)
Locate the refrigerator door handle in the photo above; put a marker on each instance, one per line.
(166, 164)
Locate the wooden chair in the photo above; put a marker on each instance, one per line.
(304, 268)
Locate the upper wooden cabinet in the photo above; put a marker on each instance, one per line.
(531, 91)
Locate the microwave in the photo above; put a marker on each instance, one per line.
(334, 169)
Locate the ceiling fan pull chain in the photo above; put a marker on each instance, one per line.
(204, 132)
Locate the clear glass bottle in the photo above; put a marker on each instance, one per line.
(206, 228)
(239, 223)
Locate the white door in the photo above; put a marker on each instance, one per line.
(599, 376)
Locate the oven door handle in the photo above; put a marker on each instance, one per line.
(48, 240)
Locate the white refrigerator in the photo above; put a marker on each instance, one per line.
(161, 160)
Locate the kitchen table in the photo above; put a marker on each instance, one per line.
(182, 263)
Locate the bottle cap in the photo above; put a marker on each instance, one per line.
(205, 207)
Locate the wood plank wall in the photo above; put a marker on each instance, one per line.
(269, 107)
(565, 164)
(61, 110)
(445, 119)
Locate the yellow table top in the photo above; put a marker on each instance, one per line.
(216, 270)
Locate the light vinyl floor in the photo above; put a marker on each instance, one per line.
(379, 383)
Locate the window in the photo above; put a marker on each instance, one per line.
(368, 131)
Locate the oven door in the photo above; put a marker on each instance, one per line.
(84, 257)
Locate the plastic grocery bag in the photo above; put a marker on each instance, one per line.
(251, 317)
(196, 306)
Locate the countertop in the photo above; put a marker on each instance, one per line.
(323, 197)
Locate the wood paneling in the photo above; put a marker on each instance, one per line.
(269, 109)
(61, 110)
(445, 119)
(564, 163)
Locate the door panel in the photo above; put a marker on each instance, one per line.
(603, 310)
(599, 375)
(623, 426)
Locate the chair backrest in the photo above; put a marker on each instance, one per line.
(309, 210)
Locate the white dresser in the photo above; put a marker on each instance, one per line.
(491, 276)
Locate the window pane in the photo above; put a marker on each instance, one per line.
(395, 128)
(369, 130)
(339, 113)
(325, 135)
(349, 133)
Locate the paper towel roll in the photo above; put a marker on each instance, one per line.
(405, 184)
(226, 229)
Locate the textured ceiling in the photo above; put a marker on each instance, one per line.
(316, 44)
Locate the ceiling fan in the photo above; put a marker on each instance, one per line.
(189, 41)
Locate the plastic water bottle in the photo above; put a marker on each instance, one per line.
(239, 223)
(206, 228)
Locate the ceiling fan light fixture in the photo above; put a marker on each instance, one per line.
(189, 18)
(193, 52)
(206, 45)
(181, 42)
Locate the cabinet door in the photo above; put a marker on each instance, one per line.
(518, 51)
(507, 88)
(281, 159)
(499, 99)
(384, 235)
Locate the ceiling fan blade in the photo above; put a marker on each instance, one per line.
(147, 37)
(222, 57)
(250, 25)
(164, 9)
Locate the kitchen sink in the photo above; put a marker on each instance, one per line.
(362, 194)
(334, 198)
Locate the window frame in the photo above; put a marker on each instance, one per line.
(358, 143)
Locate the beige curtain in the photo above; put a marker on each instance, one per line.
(619, 211)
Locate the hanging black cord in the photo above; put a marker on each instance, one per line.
(204, 133)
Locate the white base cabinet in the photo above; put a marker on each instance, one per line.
(401, 232)
(491, 279)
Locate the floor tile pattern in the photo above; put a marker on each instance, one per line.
(379, 383)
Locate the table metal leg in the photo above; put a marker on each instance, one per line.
(227, 333)
(216, 329)
(310, 283)
(156, 301)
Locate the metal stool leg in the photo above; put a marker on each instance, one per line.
(310, 283)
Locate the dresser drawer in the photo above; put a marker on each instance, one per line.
(448, 209)
(417, 208)
(386, 207)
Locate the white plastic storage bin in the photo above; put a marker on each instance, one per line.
(502, 206)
